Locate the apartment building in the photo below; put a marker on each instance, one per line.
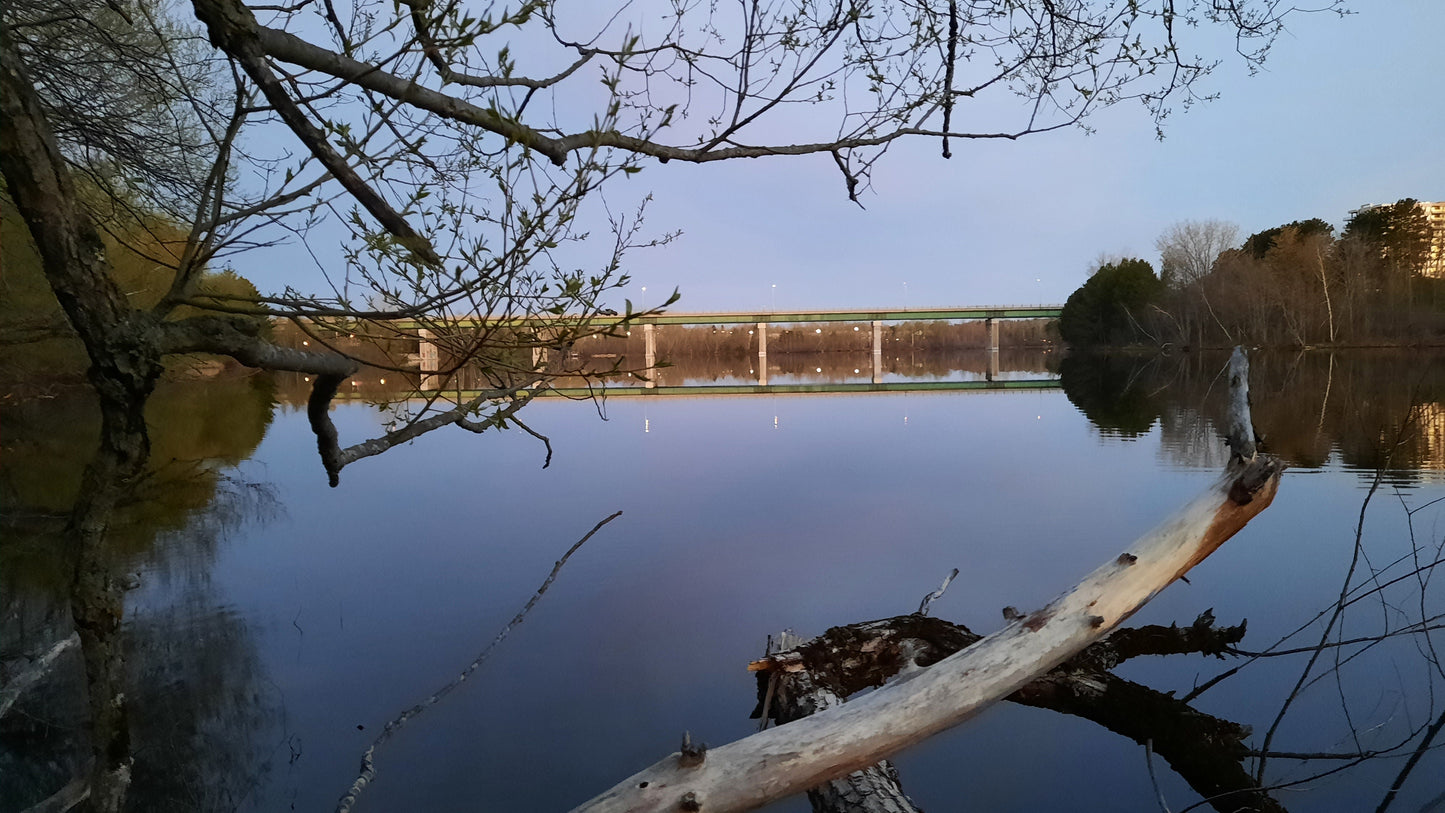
(1435, 213)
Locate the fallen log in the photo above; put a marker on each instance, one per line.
(786, 760)
(1207, 752)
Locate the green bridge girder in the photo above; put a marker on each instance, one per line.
(899, 315)
(790, 317)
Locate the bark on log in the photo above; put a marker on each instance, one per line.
(785, 697)
(780, 762)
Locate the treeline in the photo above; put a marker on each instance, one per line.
(36, 340)
(1294, 285)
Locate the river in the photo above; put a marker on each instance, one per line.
(276, 625)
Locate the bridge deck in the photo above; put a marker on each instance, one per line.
(776, 317)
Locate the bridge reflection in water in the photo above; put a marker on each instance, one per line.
(795, 373)
(869, 323)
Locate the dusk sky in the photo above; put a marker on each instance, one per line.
(1346, 112)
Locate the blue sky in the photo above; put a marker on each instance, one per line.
(1346, 112)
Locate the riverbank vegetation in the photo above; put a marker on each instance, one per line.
(39, 348)
(1299, 284)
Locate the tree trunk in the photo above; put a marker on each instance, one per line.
(125, 365)
(97, 595)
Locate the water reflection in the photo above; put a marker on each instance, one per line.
(783, 373)
(732, 530)
(1366, 410)
(196, 696)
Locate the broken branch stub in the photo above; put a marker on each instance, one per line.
(785, 760)
(1238, 427)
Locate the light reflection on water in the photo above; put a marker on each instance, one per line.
(747, 515)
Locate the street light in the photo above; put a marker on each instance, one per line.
(644, 297)
(774, 307)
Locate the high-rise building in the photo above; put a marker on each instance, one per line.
(1435, 214)
(1434, 265)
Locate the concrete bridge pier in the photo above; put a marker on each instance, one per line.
(990, 327)
(877, 352)
(649, 339)
(763, 353)
(427, 353)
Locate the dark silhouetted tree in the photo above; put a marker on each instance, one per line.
(1108, 308)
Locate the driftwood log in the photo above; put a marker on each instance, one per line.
(800, 677)
(790, 759)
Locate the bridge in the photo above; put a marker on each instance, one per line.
(984, 312)
(990, 315)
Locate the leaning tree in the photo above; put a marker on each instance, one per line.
(464, 153)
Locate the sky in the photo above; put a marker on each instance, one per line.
(1345, 112)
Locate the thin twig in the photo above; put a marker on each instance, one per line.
(1154, 780)
(368, 767)
(768, 700)
(936, 594)
(1410, 764)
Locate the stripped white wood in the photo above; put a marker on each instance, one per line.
(33, 672)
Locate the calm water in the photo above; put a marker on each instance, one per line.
(278, 624)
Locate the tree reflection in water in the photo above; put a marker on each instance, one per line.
(1367, 410)
(1354, 686)
(199, 706)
